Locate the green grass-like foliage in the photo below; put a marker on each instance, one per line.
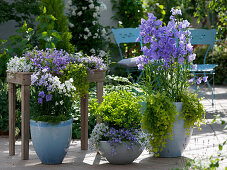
(158, 120)
(120, 110)
(51, 119)
(193, 111)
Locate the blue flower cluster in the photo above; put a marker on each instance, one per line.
(53, 61)
(115, 137)
(168, 43)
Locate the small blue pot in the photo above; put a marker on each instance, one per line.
(51, 141)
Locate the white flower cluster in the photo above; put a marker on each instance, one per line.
(17, 64)
(144, 139)
(96, 134)
(52, 83)
(101, 53)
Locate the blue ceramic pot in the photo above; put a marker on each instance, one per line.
(175, 147)
(51, 141)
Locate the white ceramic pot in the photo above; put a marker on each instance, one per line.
(122, 154)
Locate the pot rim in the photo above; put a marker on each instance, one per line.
(46, 124)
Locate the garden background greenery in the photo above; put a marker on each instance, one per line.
(44, 24)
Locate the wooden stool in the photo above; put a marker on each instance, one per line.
(23, 79)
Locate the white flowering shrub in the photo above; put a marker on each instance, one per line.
(88, 34)
(17, 64)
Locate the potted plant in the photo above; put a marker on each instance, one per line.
(119, 137)
(172, 109)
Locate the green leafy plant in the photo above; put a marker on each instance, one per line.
(53, 26)
(120, 110)
(20, 11)
(128, 13)
(158, 120)
(3, 107)
(193, 111)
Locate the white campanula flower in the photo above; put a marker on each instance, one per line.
(89, 34)
(91, 6)
(86, 29)
(79, 13)
(84, 8)
(102, 53)
(71, 25)
(85, 37)
(92, 50)
(95, 15)
(94, 22)
(73, 13)
(17, 64)
(61, 102)
(44, 70)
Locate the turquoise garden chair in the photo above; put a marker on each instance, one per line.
(205, 37)
(125, 36)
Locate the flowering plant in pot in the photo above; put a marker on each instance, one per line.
(119, 137)
(166, 64)
(58, 80)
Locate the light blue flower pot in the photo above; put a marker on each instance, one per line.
(51, 141)
(175, 147)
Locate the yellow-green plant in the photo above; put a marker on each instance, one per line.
(158, 120)
(120, 110)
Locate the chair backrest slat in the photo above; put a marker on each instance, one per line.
(203, 37)
(126, 35)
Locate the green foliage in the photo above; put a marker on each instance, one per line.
(19, 10)
(120, 110)
(161, 8)
(79, 74)
(158, 120)
(4, 58)
(53, 29)
(20, 43)
(128, 13)
(3, 106)
(76, 129)
(219, 58)
(192, 111)
(51, 119)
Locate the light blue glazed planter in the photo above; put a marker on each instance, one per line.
(175, 147)
(51, 142)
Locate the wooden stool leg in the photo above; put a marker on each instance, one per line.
(12, 107)
(25, 113)
(84, 122)
(99, 94)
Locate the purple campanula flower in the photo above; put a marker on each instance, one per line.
(191, 80)
(40, 100)
(181, 60)
(48, 97)
(42, 94)
(205, 78)
(194, 67)
(191, 57)
(198, 80)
